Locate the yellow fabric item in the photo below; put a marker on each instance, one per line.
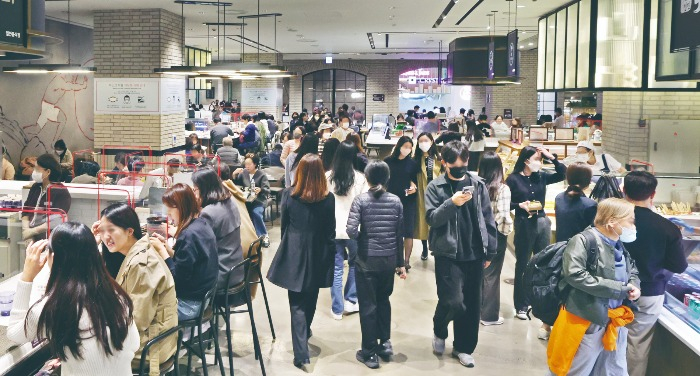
(620, 316)
(568, 332)
(566, 336)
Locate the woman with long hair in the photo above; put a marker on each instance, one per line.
(80, 298)
(65, 158)
(533, 230)
(303, 263)
(574, 211)
(475, 143)
(309, 145)
(428, 160)
(376, 221)
(346, 183)
(193, 260)
(361, 161)
(491, 170)
(403, 181)
(221, 214)
(144, 276)
(47, 172)
(329, 149)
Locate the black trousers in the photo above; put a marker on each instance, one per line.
(531, 236)
(459, 301)
(373, 292)
(302, 306)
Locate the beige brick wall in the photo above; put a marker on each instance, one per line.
(130, 43)
(622, 136)
(522, 99)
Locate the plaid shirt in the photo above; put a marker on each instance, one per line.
(501, 210)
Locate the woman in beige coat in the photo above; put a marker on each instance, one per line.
(426, 155)
(144, 276)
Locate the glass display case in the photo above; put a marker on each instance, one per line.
(683, 290)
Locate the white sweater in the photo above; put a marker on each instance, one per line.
(343, 203)
(94, 360)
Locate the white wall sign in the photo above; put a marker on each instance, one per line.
(139, 96)
(172, 95)
(259, 97)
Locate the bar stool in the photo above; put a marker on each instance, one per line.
(255, 256)
(206, 314)
(235, 296)
(169, 365)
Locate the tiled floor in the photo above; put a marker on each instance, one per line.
(509, 349)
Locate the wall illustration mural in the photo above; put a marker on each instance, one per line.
(37, 110)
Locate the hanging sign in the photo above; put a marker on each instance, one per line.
(685, 17)
(13, 16)
(492, 52)
(513, 70)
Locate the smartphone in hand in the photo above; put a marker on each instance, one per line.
(468, 189)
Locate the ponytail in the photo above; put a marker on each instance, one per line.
(377, 190)
(574, 191)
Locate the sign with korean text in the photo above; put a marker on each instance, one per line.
(684, 25)
(492, 53)
(172, 96)
(13, 18)
(513, 70)
(134, 96)
(378, 97)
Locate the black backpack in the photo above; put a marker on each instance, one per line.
(542, 276)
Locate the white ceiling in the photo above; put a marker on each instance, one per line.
(311, 28)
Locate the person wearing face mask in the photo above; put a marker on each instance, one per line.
(589, 336)
(463, 238)
(532, 227)
(341, 133)
(428, 160)
(144, 276)
(65, 158)
(658, 253)
(259, 190)
(601, 163)
(47, 172)
(402, 182)
(324, 133)
(572, 209)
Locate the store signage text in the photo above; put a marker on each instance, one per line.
(685, 17)
(12, 21)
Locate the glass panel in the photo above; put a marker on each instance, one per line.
(340, 74)
(571, 45)
(620, 26)
(541, 53)
(584, 43)
(197, 57)
(190, 56)
(551, 52)
(560, 49)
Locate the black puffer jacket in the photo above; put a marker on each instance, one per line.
(377, 223)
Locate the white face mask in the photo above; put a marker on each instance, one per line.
(326, 135)
(345, 125)
(425, 146)
(37, 176)
(628, 235)
(405, 152)
(535, 166)
(582, 157)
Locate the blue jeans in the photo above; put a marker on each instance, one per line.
(337, 289)
(256, 211)
(188, 309)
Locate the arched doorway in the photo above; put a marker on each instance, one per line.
(331, 88)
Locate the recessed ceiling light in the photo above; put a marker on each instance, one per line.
(488, 27)
(522, 46)
(521, 6)
(530, 44)
(379, 33)
(551, 27)
(524, 32)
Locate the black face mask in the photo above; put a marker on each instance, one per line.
(458, 172)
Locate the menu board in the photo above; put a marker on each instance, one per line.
(13, 17)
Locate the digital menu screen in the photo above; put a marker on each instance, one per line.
(12, 21)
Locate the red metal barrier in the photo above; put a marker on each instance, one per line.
(129, 200)
(129, 148)
(48, 212)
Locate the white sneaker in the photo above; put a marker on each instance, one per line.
(522, 315)
(336, 316)
(467, 360)
(438, 345)
(491, 323)
(351, 307)
(543, 334)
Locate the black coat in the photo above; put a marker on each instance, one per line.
(305, 257)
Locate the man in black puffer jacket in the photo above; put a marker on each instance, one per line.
(463, 240)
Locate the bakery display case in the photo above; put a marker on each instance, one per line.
(683, 290)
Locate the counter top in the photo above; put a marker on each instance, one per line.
(89, 191)
(680, 329)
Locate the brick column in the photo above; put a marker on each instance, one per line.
(130, 43)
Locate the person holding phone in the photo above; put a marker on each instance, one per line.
(403, 182)
(463, 239)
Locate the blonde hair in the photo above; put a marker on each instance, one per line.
(612, 210)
